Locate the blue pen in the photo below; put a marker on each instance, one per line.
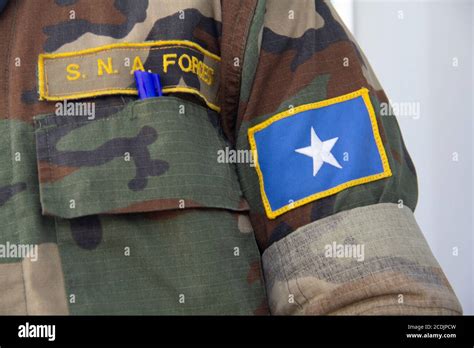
(148, 84)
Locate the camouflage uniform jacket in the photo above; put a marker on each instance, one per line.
(129, 207)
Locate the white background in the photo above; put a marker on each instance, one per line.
(413, 59)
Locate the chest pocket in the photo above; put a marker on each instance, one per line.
(156, 154)
(145, 214)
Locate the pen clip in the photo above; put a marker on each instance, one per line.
(148, 84)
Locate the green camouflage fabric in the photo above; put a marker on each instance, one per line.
(132, 213)
(130, 210)
(300, 52)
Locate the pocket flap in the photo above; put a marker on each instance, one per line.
(156, 154)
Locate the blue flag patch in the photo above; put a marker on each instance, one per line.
(316, 150)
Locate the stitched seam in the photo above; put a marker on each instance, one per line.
(252, 85)
(130, 45)
(77, 53)
(132, 91)
(42, 76)
(64, 95)
(234, 74)
(363, 92)
(192, 91)
(42, 64)
(129, 119)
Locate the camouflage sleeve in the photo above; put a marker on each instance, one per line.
(112, 204)
(356, 249)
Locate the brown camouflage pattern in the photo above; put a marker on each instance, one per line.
(269, 62)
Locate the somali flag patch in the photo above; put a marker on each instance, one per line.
(316, 150)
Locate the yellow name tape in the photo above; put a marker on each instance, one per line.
(184, 67)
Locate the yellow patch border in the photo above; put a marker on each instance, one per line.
(364, 93)
(43, 95)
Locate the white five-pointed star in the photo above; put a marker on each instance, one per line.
(320, 152)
